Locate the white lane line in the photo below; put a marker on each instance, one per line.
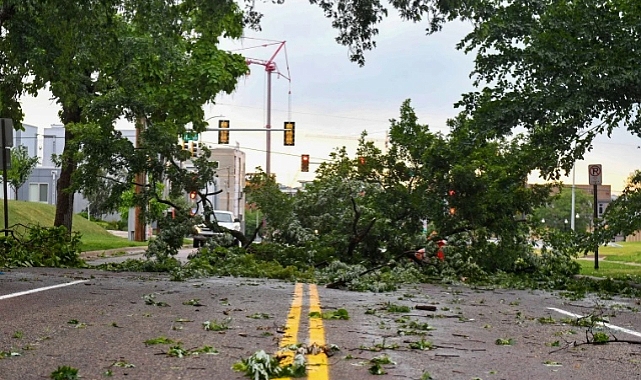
(18, 294)
(613, 327)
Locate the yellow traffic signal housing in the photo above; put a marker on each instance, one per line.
(290, 133)
(223, 136)
(304, 163)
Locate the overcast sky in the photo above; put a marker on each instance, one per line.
(333, 100)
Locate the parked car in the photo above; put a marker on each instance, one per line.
(224, 218)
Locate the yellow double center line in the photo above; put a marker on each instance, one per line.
(317, 368)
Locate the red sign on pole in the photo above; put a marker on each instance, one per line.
(596, 174)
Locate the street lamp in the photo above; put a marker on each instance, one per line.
(214, 117)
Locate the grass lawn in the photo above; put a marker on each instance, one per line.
(611, 269)
(93, 237)
(628, 252)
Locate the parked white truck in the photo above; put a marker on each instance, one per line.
(224, 218)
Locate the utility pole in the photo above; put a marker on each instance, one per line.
(7, 142)
(139, 221)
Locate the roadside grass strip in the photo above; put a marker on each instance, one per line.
(317, 369)
(607, 325)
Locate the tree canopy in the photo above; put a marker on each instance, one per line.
(564, 71)
(155, 63)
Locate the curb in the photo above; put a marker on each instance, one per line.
(127, 251)
(117, 252)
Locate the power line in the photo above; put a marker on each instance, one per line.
(310, 113)
(274, 152)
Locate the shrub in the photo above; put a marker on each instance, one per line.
(41, 246)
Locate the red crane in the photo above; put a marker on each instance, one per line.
(271, 68)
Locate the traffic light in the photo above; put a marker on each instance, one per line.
(290, 133)
(194, 148)
(361, 160)
(304, 163)
(192, 196)
(451, 194)
(223, 136)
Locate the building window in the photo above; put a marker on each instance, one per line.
(38, 192)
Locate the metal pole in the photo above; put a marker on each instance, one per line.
(268, 138)
(573, 212)
(4, 180)
(596, 250)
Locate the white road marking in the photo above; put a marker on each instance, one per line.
(18, 294)
(613, 327)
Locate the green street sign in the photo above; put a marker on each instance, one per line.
(190, 136)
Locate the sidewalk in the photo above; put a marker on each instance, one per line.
(603, 258)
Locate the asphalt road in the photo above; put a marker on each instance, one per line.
(98, 322)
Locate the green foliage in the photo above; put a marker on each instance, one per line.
(137, 265)
(622, 215)
(546, 320)
(259, 316)
(426, 187)
(558, 212)
(193, 302)
(600, 338)
(377, 364)
(8, 354)
(179, 352)
(310, 254)
(422, 345)
(159, 340)
(215, 325)
(382, 280)
(41, 246)
(64, 373)
(262, 366)
(393, 308)
(234, 262)
(21, 167)
(335, 314)
(150, 299)
(504, 342)
(529, 54)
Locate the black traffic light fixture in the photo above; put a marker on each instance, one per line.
(290, 133)
(304, 163)
(223, 136)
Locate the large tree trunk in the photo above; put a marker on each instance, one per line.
(64, 204)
